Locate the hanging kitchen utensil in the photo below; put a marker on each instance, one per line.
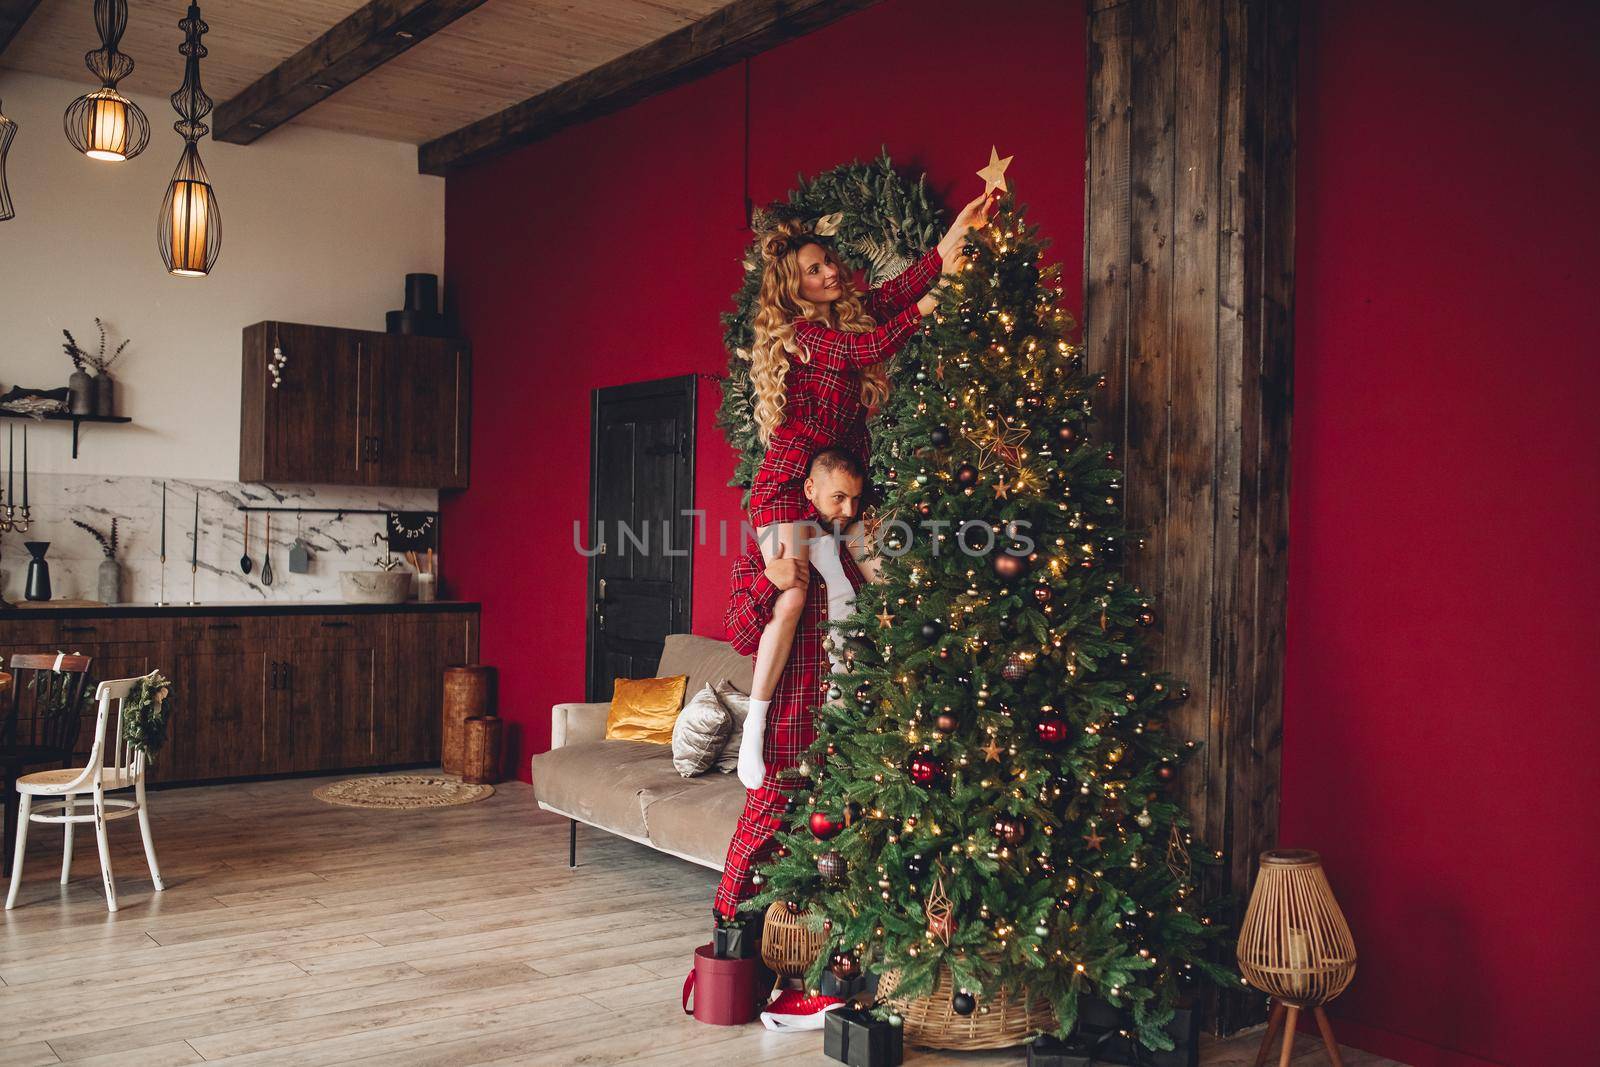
(244, 560)
(266, 555)
(300, 552)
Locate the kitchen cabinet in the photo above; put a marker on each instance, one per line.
(273, 690)
(354, 407)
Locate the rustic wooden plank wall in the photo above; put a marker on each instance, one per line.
(1189, 297)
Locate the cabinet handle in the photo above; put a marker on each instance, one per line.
(274, 683)
(222, 626)
(288, 675)
(377, 449)
(360, 441)
(333, 623)
(77, 629)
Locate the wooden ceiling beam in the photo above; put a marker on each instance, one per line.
(741, 29)
(13, 13)
(358, 45)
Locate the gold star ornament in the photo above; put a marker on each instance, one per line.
(994, 175)
(885, 620)
(991, 752)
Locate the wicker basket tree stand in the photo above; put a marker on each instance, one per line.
(1004, 1020)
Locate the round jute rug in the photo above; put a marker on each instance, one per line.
(402, 792)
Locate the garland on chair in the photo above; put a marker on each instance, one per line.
(144, 714)
(874, 219)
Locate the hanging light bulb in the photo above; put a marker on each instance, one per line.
(8, 130)
(105, 124)
(189, 231)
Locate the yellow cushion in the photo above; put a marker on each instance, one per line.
(644, 709)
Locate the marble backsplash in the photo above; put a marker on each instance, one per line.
(337, 542)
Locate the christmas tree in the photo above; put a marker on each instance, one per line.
(992, 784)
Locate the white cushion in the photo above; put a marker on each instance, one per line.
(702, 729)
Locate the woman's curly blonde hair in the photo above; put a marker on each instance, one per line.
(779, 304)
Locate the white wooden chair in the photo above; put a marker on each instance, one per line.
(59, 789)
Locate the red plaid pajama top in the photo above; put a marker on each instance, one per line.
(822, 406)
(790, 729)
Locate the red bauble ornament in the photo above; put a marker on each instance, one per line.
(1166, 772)
(823, 825)
(1042, 593)
(1051, 730)
(967, 475)
(924, 769)
(1008, 568)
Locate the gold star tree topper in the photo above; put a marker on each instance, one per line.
(994, 175)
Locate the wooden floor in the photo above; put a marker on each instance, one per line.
(295, 932)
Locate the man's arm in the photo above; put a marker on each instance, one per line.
(749, 605)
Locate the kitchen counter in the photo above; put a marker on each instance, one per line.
(47, 610)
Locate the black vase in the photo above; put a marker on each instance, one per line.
(38, 570)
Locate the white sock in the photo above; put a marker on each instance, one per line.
(824, 557)
(752, 768)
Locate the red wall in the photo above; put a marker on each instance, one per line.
(605, 255)
(1440, 737)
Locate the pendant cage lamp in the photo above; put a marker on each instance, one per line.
(105, 124)
(189, 231)
(8, 130)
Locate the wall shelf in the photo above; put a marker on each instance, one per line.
(62, 416)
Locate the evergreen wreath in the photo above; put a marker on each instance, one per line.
(874, 219)
(144, 714)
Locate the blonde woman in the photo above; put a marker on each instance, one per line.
(817, 368)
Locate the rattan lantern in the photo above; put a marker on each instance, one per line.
(189, 230)
(8, 130)
(105, 124)
(1295, 946)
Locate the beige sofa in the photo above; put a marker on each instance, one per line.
(630, 788)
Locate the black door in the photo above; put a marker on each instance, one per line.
(641, 459)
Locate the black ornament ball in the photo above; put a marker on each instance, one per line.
(1008, 568)
(1147, 618)
(963, 1003)
(792, 907)
(940, 436)
(966, 475)
(831, 866)
(1043, 594)
(844, 966)
(932, 631)
(916, 866)
(1010, 829)
(925, 769)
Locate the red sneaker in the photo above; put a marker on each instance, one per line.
(792, 1009)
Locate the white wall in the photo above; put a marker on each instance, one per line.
(317, 227)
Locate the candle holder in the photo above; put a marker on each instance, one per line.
(1295, 946)
(10, 522)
